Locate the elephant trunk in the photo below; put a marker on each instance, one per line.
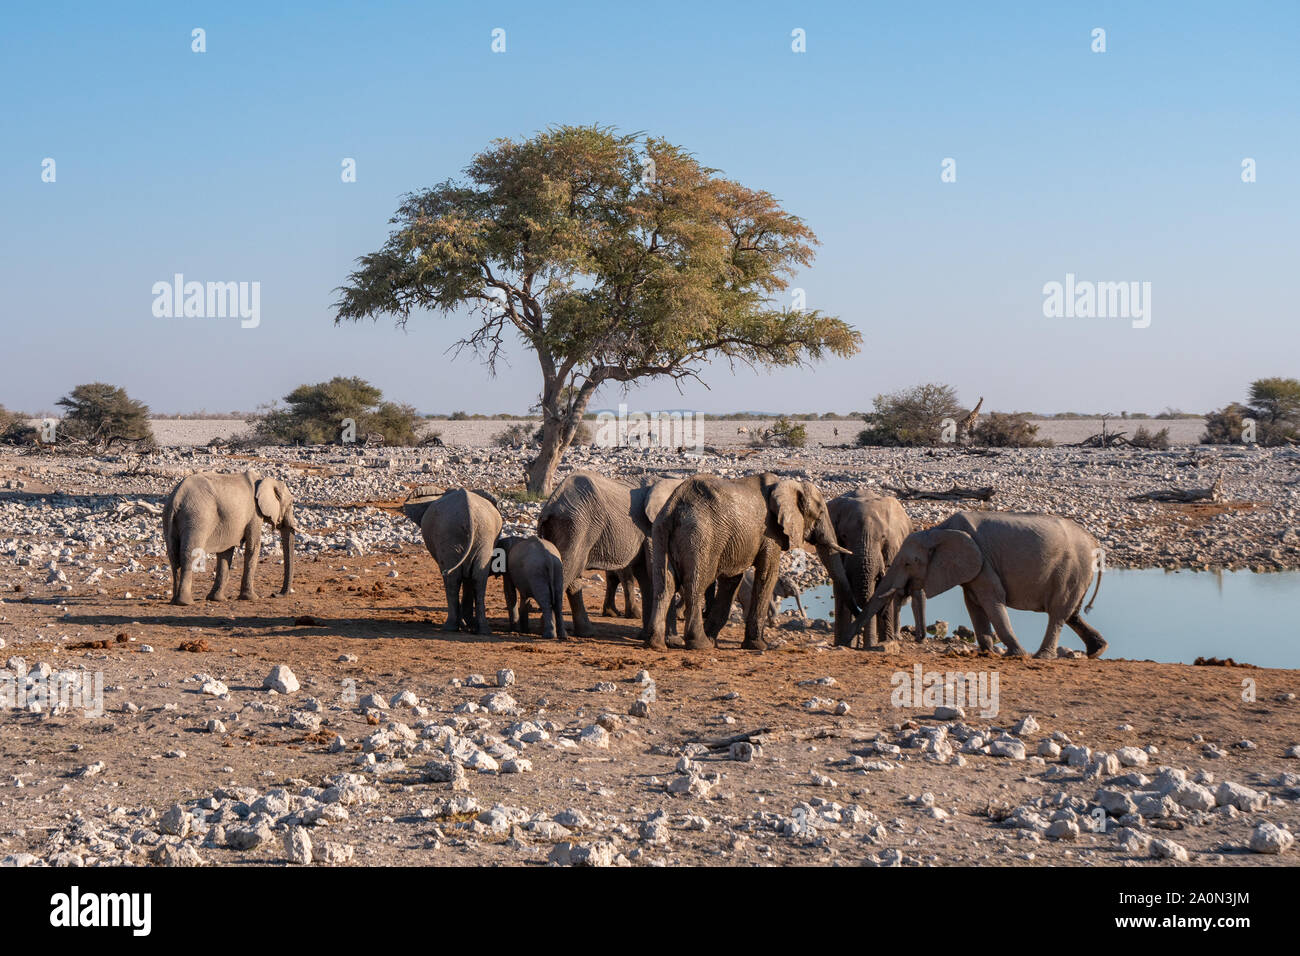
(840, 578)
(918, 612)
(286, 547)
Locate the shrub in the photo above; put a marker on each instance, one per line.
(1146, 438)
(14, 429)
(1273, 408)
(515, 435)
(103, 414)
(783, 434)
(1007, 430)
(1225, 426)
(911, 417)
(315, 415)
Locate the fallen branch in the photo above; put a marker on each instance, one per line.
(1183, 495)
(907, 492)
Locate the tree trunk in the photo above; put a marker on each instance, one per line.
(541, 470)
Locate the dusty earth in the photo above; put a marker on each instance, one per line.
(824, 787)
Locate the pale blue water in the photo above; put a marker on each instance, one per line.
(1168, 616)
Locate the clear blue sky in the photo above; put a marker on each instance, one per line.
(225, 165)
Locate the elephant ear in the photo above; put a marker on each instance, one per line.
(488, 495)
(955, 558)
(658, 496)
(270, 500)
(786, 505)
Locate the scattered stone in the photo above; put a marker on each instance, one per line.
(281, 680)
(1270, 838)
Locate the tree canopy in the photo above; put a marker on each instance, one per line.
(315, 415)
(612, 256)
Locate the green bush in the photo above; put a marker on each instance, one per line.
(783, 434)
(315, 415)
(102, 415)
(1007, 430)
(516, 435)
(1146, 438)
(1273, 408)
(911, 417)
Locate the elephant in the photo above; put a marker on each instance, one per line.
(460, 528)
(1030, 562)
(631, 606)
(785, 588)
(713, 529)
(533, 570)
(215, 513)
(873, 527)
(601, 524)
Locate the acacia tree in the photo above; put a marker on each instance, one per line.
(614, 258)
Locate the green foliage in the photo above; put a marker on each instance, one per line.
(1225, 426)
(103, 414)
(1007, 430)
(515, 436)
(1273, 407)
(315, 415)
(911, 417)
(1146, 438)
(614, 257)
(783, 434)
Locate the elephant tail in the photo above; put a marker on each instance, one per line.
(469, 549)
(1095, 590)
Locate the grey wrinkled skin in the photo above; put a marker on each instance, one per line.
(873, 527)
(1030, 562)
(460, 528)
(597, 523)
(533, 570)
(785, 588)
(209, 513)
(714, 529)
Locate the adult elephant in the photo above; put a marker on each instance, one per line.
(873, 527)
(599, 524)
(714, 528)
(460, 528)
(1030, 562)
(216, 513)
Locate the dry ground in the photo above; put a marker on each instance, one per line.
(754, 813)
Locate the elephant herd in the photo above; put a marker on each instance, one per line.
(695, 543)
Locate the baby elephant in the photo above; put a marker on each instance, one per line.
(1030, 562)
(532, 570)
(214, 513)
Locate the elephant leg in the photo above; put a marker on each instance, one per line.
(224, 559)
(451, 585)
(843, 627)
(523, 616)
(997, 613)
(512, 614)
(479, 583)
(252, 548)
(546, 612)
(664, 591)
(979, 621)
(191, 560)
(631, 604)
(766, 569)
(176, 583)
(720, 609)
(578, 611)
(642, 574)
(1047, 650)
(610, 607)
(693, 589)
(1091, 637)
